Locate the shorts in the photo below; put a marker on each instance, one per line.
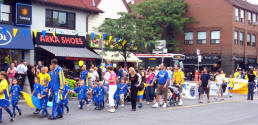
(140, 96)
(181, 86)
(230, 88)
(204, 89)
(162, 91)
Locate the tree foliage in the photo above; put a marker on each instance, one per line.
(163, 19)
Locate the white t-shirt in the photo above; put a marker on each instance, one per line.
(106, 76)
(21, 69)
(96, 74)
(220, 78)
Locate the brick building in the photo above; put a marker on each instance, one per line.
(225, 31)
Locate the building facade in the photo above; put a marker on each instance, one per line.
(59, 28)
(225, 33)
(15, 39)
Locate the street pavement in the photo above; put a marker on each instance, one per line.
(232, 111)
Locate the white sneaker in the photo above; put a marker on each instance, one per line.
(79, 106)
(180, 103)
(122, 106)
(111, 110)
(164, 105)
(156, 105)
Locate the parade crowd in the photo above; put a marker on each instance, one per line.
(113, 88)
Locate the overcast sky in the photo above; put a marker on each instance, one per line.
(253, 1)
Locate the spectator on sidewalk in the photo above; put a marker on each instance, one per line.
(21, 73)
(251, 85)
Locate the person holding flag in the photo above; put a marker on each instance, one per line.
(56, 86)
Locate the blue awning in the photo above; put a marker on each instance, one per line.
(22, 40)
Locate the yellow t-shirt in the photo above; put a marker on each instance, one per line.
(231, 82)
(179, 75)
(43, 76)
(237, 75)
(142, 92)
(4, 87)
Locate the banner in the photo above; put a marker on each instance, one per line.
(23, 14)
(189, 90)
(240, 86)
(214, 88)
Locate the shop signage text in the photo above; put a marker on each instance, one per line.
(60, 40)
(23, 14)
(5, 38)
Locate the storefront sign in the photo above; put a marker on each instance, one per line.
(7, 40)
(60, 40)
(251, 60)
(23, 14)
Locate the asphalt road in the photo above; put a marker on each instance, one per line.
(233, 111)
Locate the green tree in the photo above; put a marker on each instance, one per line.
(126, 28)
(163, 20)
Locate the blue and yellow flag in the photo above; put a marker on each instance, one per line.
(33, 101)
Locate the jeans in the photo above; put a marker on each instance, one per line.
(149, 94)
(57, 108)
(250, 94)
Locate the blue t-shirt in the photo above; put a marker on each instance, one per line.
(101, 91)
(107, 65)
(162, 76)
(44, 92)
(120, 74)
(36, 89)
(84, 75)
(15, 91)
(124, 90)
(82, 92)
(65, 91)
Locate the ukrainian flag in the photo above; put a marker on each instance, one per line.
(101, 66)
(32, 101)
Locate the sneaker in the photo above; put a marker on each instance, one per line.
(122, 105)
(156, 105)
(20, 113)
(180, 103)
(164, 105)
(148, 103)
(111, 110)
(11, 119)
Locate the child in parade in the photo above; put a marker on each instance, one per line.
(117, 97)
(230, 85)
(95, 94)
(36, 91)
(101, 95)
(44, 98)
(140, 94)
(65, 93)
(123, 87)
(4, 96)
(82, 92)
(14, 94)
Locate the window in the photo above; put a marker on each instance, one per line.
(236, 37)
(254, 18)
(60, 19)
(6, 13)
(189, 38)
(237, 14)
(242, 16)
(253, 40)
(241, 38)
(215, 37)
(201, 36)
(249, 17)
(248, 39)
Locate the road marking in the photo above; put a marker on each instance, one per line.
(199, 105)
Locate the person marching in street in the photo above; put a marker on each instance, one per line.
(15, 92)
(36, 90)
(178, 79)
(43, 97)
(251, 84)
(85, 75)
(4, 96)
(135, 83)
(57, 85)
(162, 89)
(43, 75)
(230, 85)
(220, 78)
(112, 86)
(65, 93)
(150, 89)
(204, 84)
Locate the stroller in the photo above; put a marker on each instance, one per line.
(174, 98)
